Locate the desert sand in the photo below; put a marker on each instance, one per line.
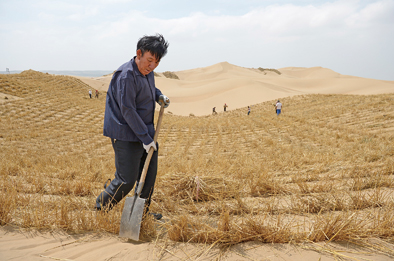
(33, 245)
(196, 92)
(199, 90)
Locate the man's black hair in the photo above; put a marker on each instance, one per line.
(155, 44)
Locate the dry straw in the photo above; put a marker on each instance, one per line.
(321, 172)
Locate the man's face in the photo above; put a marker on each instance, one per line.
(146, 63)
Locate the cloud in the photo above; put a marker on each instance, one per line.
(277, 35)
(378, 13)
(275, 23)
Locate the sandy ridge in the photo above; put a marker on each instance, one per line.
(199, 90)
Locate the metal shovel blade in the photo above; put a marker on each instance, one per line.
(130, 222)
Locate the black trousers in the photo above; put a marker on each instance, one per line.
(129, 162)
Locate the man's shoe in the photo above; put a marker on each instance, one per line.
(157, 216)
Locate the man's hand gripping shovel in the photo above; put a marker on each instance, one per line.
(133, 209)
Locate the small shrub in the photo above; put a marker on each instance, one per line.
(272, 70)
(170, 75)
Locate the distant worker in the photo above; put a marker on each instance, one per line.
(278, 107)
(90, 94)
(97, 94)
(248, 110)
(214, 110)
(225, 106)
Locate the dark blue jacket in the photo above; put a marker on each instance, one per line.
(130, 105)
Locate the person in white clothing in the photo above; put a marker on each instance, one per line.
(278, 107)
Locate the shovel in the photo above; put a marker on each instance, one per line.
(133, 209)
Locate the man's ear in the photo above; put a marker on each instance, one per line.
(139, 53)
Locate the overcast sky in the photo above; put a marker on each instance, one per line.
(350, 37)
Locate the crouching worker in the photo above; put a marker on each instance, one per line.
(128, 121)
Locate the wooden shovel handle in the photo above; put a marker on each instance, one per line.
(150, 153)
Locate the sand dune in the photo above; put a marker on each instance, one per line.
(199, 90)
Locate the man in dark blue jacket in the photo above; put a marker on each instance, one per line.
(128, 121)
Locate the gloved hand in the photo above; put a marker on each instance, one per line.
(147, 147)
(163, 98)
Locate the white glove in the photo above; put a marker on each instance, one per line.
(147, 147)
(165, 99)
